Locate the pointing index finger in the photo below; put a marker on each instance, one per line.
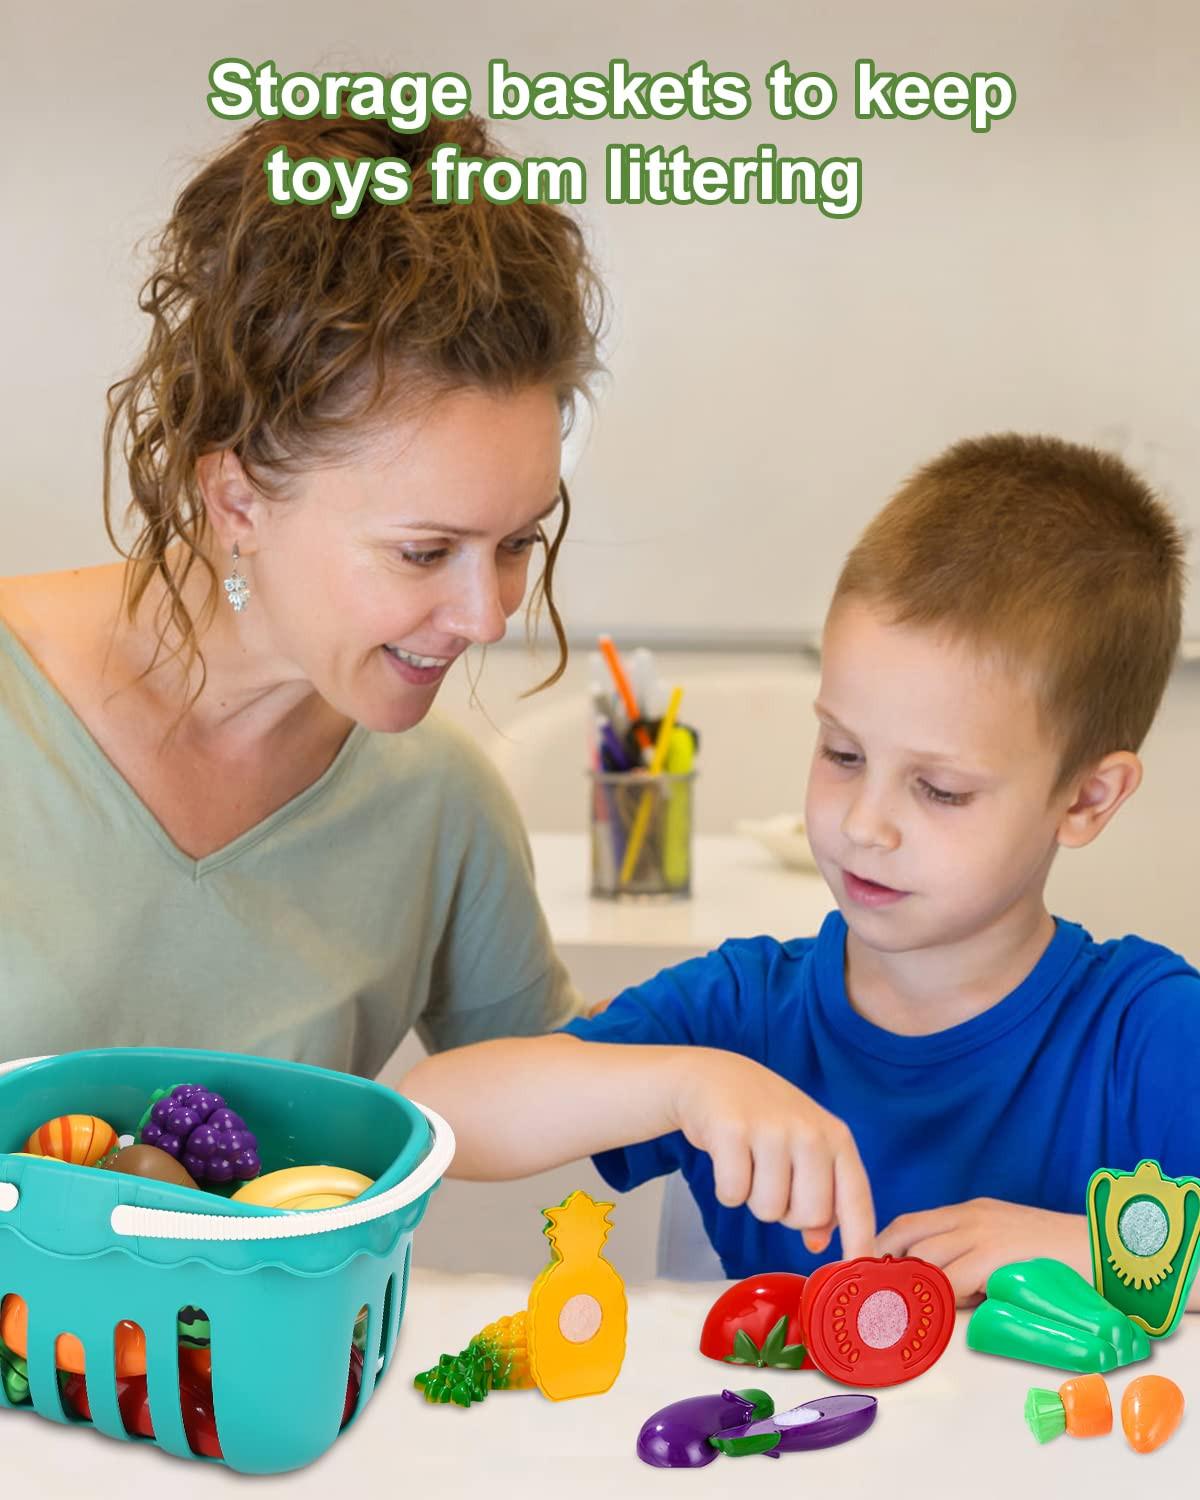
(853, 1204)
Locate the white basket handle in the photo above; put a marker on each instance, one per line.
(174, 1224)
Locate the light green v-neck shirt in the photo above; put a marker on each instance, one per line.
(396, 891)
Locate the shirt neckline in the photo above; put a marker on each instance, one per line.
(953, 1041)
(62, 711)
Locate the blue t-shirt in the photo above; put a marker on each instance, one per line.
(1090, 1062)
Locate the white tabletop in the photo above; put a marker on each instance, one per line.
(956, 1431)
(739, 890)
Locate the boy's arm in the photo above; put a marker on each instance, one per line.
(519, 1106)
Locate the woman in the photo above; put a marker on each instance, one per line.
(225, 820)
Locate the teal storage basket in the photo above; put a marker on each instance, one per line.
(281, 1288)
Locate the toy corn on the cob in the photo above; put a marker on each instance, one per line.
(496, 1359)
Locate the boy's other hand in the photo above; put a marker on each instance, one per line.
(969, 1240)
(773, 1149)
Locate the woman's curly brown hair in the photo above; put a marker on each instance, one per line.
(278, 328)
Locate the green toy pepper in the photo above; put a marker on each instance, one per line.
(1145, 1232)
(1043, 1311)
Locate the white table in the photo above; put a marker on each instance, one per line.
(739, 890)
(956, 1431)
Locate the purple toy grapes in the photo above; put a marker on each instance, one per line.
(198, 1128)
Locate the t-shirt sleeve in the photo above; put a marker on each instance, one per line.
(1155, 1074)
(694, 1004)
(496, 972)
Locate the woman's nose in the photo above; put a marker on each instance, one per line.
(475, 611)
(868, 824)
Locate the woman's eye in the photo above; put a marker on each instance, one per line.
(839, 757)
(522, 544)
(944, 798)
(423, 559)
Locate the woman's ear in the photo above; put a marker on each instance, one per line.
(1096, 796)
(232, 502)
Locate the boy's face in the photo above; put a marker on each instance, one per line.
(929, 804)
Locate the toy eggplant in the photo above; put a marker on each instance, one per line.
(677, 1436)
(822, 1423)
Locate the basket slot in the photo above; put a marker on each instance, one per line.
(387, 1328)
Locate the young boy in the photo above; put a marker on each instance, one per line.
(945, 1054)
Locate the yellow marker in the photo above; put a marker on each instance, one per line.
(641, 819)
(575, 1320)
(680, 757)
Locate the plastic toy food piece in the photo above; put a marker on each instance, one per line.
(82, 1139)
(1145, 1231)
(1151, 1410)
(757, 1322)
(877, 1321)
(1080, 1407)
(677, 1437)
(496, 1359)
(15, 1374)
(149, 1161)
(197, 1127)
(822, 1423)
(1043, 1311)
(577, 1311)
(129, 1341)
(304, 1188)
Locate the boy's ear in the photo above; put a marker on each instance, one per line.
(231, 500)
(1096, 797)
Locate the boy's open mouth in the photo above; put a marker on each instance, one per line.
(870, 892)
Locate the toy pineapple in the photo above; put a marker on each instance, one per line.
(576, 1313)
(570, 1341)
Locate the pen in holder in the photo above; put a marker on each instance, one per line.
(641, 833)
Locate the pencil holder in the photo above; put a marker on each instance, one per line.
(284, 1294)
(641, 834)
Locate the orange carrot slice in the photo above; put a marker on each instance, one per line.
(1151, 1409)
(1086, 1403)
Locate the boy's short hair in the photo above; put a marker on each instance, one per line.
(1054, 556)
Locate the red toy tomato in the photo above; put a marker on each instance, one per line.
(757, 1322)
(876, 1321)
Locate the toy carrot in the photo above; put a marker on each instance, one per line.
(1151, 1409)
(1080, 1407)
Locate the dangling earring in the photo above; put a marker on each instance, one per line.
(237, 590)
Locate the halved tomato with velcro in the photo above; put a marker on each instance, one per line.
(877, 1321)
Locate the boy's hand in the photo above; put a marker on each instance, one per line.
(969, 1240)
(773, 1148)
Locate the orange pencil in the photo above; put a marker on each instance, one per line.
(621, 682)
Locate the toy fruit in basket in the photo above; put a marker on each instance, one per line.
(569, 1341)
(199, 1129)
(129, 1342)
(149, 1161)
(305, 1187)
(82, 1139)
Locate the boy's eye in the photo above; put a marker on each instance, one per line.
(839, 757)
(944, 798)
